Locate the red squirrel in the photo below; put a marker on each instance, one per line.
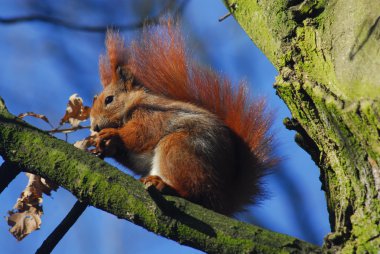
(187, 130)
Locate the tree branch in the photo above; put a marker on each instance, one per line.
(8, 172)
(93, 181)
(95, 29)
(56, 236)
(70, 25)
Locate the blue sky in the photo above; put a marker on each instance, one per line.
(41, 65)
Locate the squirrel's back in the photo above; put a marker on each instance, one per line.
(160, 62)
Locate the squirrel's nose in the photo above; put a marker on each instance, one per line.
(96, 128)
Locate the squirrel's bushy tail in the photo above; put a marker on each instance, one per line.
(160, 61)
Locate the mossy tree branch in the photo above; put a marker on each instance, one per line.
(97, 183)
(328, 57)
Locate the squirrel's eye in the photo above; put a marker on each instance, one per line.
(108, 100)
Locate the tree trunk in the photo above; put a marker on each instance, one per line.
(328, 57)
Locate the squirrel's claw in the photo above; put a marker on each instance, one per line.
(159, 184)
(105, 142)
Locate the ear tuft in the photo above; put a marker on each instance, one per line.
(115, 58)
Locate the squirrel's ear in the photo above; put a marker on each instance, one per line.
(126, 79)
(124, 75)
(115, 58)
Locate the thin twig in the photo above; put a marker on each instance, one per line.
(59, 232)
(68, 130)
(233, 8)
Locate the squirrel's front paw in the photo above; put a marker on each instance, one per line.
(106, 142)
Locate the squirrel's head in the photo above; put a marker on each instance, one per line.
(120, 88)
(109, 109)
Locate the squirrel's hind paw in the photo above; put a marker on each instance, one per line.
(159, 184)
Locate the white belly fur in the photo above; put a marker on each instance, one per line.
(156, 169)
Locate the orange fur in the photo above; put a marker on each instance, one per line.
(117, 55)
(160, 63)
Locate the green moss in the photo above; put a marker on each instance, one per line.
(313, 57)
(259, 25)
(345, 129)
(366, 230)
(279, 18)
(345, 135)
(356, 47)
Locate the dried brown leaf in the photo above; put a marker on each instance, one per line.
(26, 214)
(75, 111)
(23, 223)
(40, 185)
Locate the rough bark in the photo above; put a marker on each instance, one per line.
(97, 183)
(328, 57)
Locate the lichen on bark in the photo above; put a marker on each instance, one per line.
(328, 57)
